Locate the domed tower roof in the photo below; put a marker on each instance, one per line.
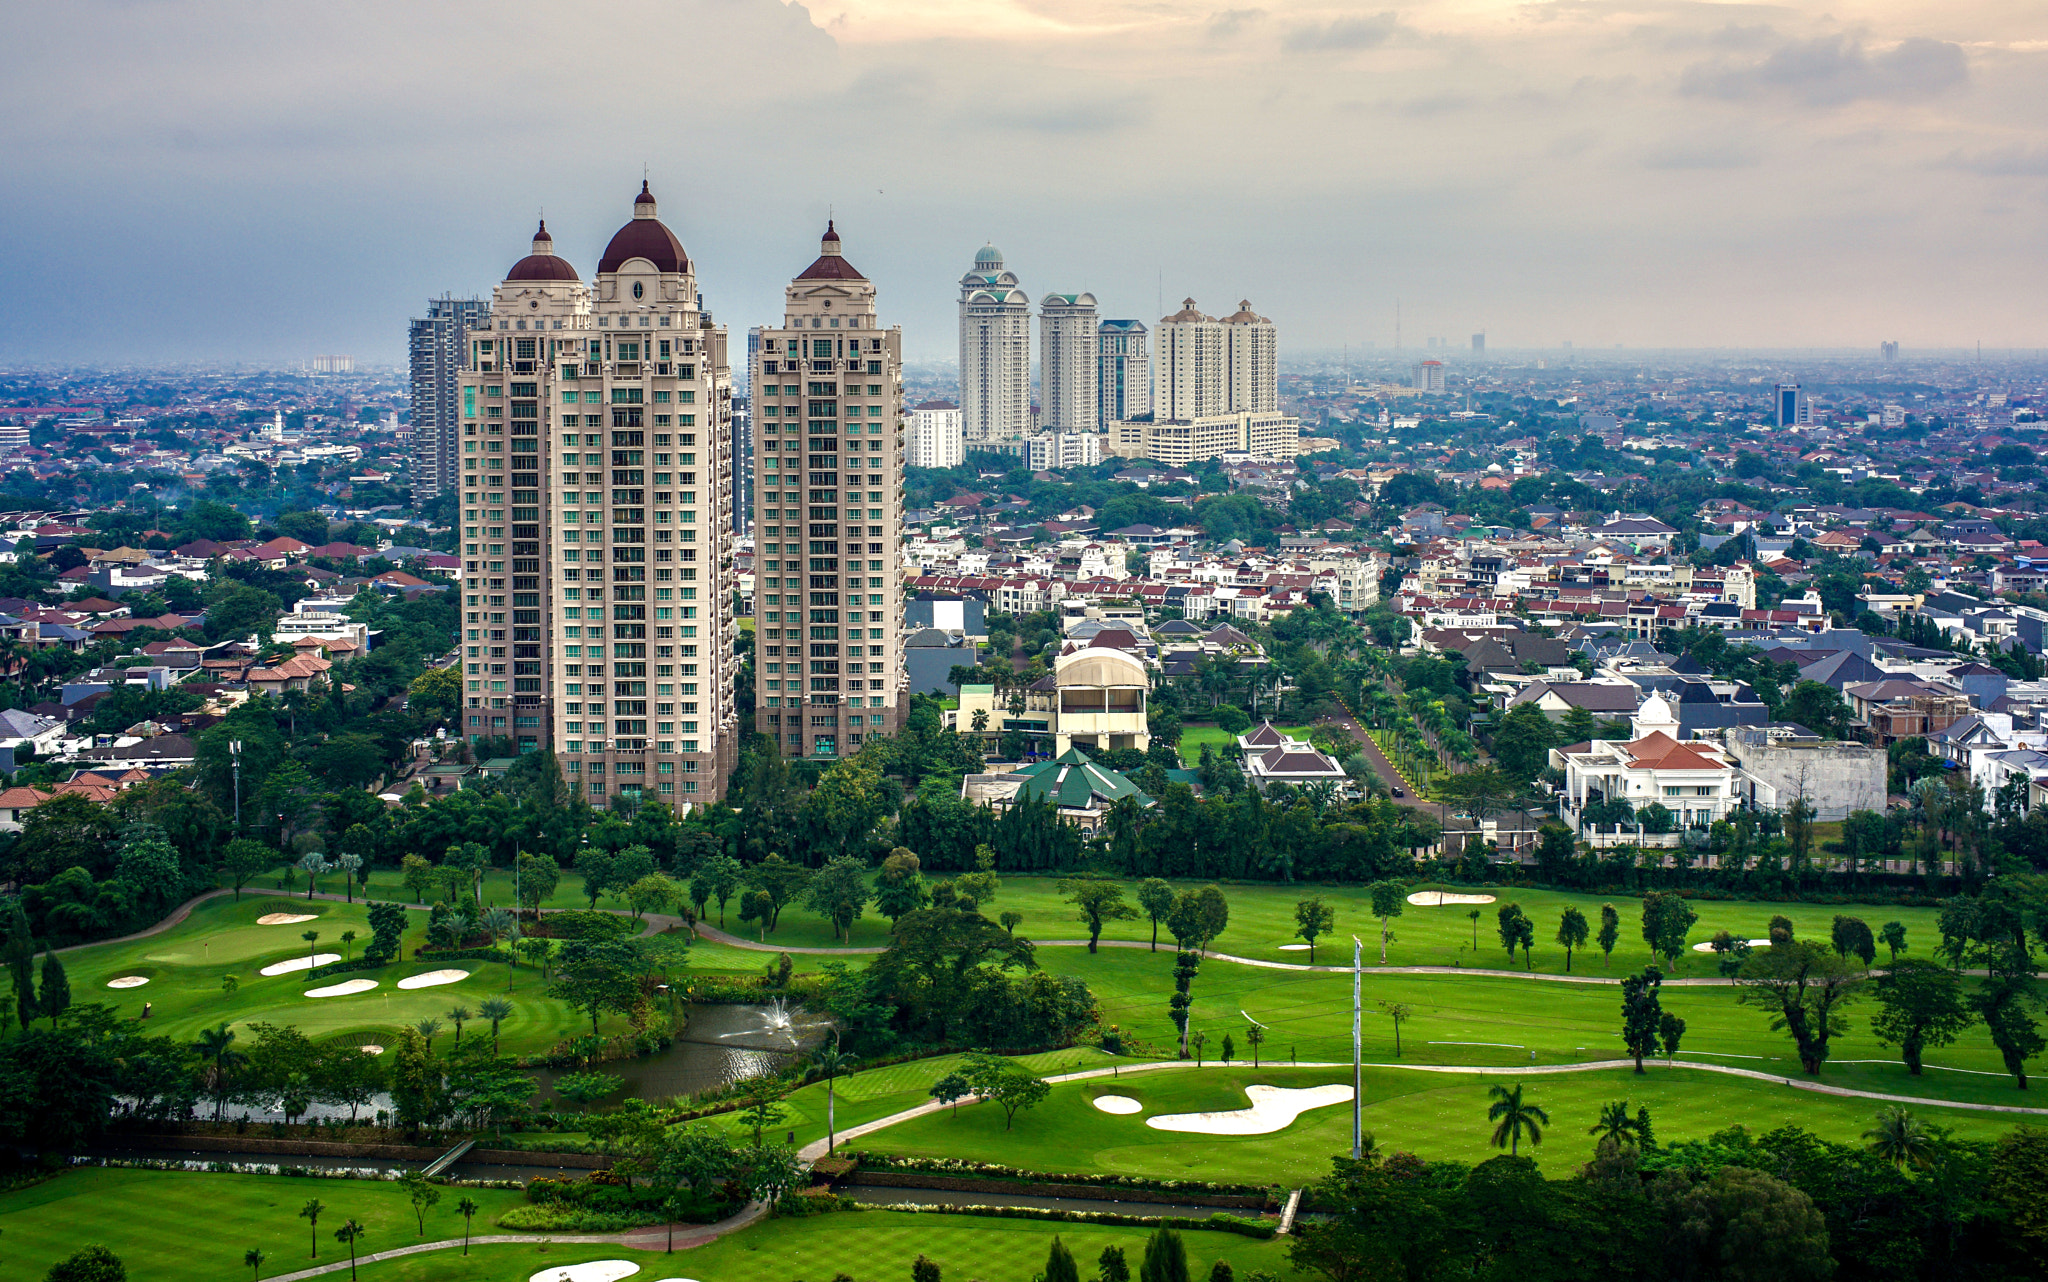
(645, 237)
(542, 264)
(989, 257)
(830, 265)
(1245, 315)
(1187, 315)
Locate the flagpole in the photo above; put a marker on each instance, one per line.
(1357, 1061)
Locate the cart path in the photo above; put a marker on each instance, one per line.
(816, 1149)
(651, 1238)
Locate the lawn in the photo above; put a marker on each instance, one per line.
(1193, 737)
(186, 964)
(1439, 1116)
(172, 1226)
(189, 1225)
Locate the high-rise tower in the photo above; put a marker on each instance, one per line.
(995, 352)
(1251, 352)
(828, 396)
(1123, 371)
(435, 344)
(596, 417)
(1068, 360)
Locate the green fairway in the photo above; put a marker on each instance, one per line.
(188, 1225)
(1436, 1115)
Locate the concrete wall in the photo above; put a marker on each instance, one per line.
(1835, 778)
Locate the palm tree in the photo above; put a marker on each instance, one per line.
(213, 1045)
(468, 1207)
(311, 937)
(254, 1259)
(831, 1062)
(497, 1010)
(348, 1233)
(1614, 1124)
(348, 939)
(1899, 1138)
(456, 1016)
(427, 1028)
(1513, 1118)
(310, 1213)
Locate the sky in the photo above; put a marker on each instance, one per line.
(264, 180)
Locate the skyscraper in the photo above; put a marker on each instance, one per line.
(1251, 353)
(1427, 376)
(1123, 371)
(597, 418)
(995, 351)
(1789, 408)
(1068, 358)
(435, 345)
(934, 438)
(829, 392)
(1187, 370)
(1215, 390)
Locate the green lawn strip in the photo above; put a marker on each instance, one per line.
(1439, 1116)
(185, 966)
(1308, 1015)
(174, 1224)
(1193, 737)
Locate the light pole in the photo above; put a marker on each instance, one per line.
(235, 754)
(1357, 1064)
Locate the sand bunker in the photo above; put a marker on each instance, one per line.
(434, 979)
(286, 919)
(1294, 948)
(301, 963)
(128, 981)
(1708, 947)
(595, 1271)
(371, 1049)
(1273, 1108)
(343, 989)
(1440, 898)
(1121, 1105)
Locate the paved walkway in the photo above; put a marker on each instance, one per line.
(654, 1238)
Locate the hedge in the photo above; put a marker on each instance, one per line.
(990, 1170)
(1261, 1229)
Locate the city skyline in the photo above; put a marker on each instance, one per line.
(1540, 173)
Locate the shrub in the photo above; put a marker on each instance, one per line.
(571, 1219)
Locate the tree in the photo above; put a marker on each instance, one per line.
(1009, 1084)
(418, 876)
(598, 976)
(1610, 933)
(901, 888)
(831, 1063)
(1312, 917)
(780, 880)
(497, 1010)
(758, 906)
(245, 859)
(1059, 1263)
(762, 1111)
(424, 1195)
(1616, 1127)
(1666, 919)
(951, 1089)
(1743, 1223)
(1255, 1037)
(1851, 935)
(1396, 1011)
(436, 694)
(55, 997)
(538, 876)
(1642, 1013)
(924, 1270)
(1523, 742)
(1096, 899)
(312, 938)
(351, 1233)
(1921, 1006)
(254, 1259)
(651, 893)
(1900, 1139)
(719, 877)
(1388, 900)
(1110, 1266)
(1803, 987)
(88, 1264)
(415, 1081)
(310, 1213)
(1571, 933)
(1513, 1118)
(1893, 936)
(1516, 931)
(1166, 1258)
(2003, 1004)
(585, 1089)
(838, 892)
(1156, 898)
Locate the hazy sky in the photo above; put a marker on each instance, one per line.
(269, 180)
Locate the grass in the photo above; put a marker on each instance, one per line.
(189, 1225)
(168, 1227)
(1193, 737)
(1438, 1116)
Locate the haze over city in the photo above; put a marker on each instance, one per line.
(223, 180)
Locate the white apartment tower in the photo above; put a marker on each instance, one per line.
(596, 532)
(1188, 371)
(995, 352)
(1251, 352)
(1123, 371)
(828, 430)
(1069, 356)
(935, 438)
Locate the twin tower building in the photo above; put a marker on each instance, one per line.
(596, 518)
(1195, 387)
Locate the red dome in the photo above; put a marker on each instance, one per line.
(542, 264)
(645, 237)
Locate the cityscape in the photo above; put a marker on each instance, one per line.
(679, 713)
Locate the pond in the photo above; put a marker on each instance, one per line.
(719, 1046)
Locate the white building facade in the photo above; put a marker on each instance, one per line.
(935, 437)
(995, 352)
(1069, 359)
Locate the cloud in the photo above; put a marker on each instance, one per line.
(1082, 116)
(1226, 23)
(1833, 70)
(1343, 34)
(1704, 153)
(2004, 162)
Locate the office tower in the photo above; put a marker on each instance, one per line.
(1123, 371)
(596, 417)
(995, 351)
(829, 672)
(1251, 355)
(1187, 369)
(435, 345)
(1789, 405)
(1479, 345)
(935, 438)
(1888, 350)
(1427, 376)
(1067, 362)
